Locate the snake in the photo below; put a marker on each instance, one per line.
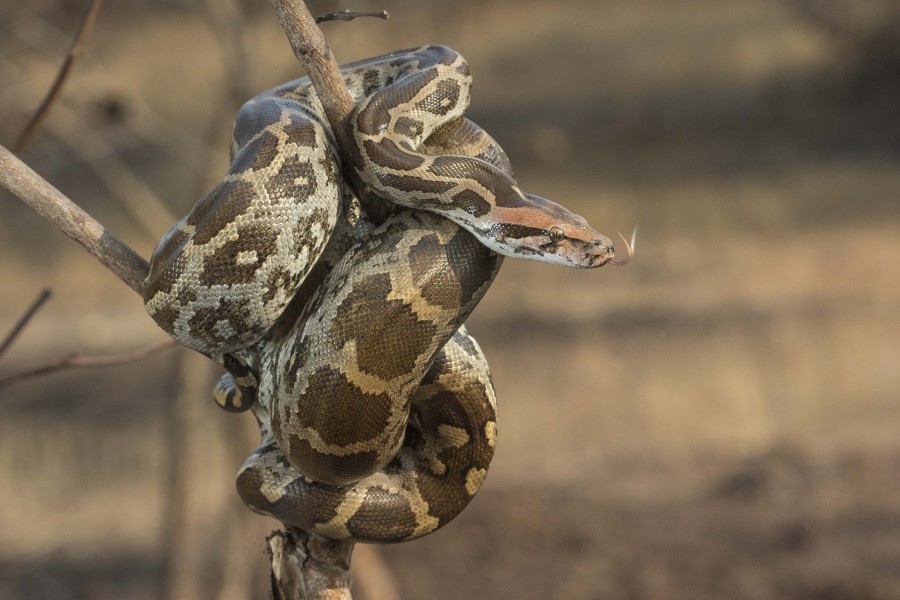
(346, 337)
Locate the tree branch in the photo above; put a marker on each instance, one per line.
(72, 361)
(54, 206)
(308, 566)
(314, 54)
(24, 319)
(79, 43)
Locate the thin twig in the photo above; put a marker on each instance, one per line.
(73, 361)
(24, 319)
(54, 206)
(79, 43)
(347, 15)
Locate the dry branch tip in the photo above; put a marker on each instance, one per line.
(79, 43)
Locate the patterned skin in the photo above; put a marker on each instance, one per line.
(345, 339)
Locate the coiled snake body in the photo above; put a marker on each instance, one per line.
(376, 406)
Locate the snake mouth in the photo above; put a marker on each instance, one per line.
(599, 253)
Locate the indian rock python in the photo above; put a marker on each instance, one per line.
(376, 406)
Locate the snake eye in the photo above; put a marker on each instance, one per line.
(556, 234)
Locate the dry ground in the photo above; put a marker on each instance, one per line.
(720, 419)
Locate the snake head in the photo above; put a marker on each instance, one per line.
(548, 232)
(572, 246)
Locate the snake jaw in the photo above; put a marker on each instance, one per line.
(603, 253)
(587, 249)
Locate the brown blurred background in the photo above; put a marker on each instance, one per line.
(719, 419)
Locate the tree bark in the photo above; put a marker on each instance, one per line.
(307, 566)
(54, 206)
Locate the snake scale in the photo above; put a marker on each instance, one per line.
(346, 339)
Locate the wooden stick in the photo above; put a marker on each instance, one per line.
(308, 566)
(314, 54)
(54, 206)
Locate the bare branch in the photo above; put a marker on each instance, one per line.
(53, 205)
(24, 319)
(314, 54)
(79, 43)
(73, 361)
(309, 566)
(347, 15)
(316, 57)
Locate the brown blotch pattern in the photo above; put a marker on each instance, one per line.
(219, 208)
(433, 278)
(412, 184)
(329, 166)
(375, 113)
(206, 318)
(390, 337)
(387, 154)
(221, 267)
(442, 100)
(371, 82)
(279, 278)
(377, 503)
(465, 342)
(329, 468)
(167, 263)
(303, 232)
(353, 415)
(473, 264)
(295, 180)
(257, 154)
(472, 203)
(166, 316)
(300, 131)
(408, 127)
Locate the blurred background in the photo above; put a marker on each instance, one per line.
(719, 419)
